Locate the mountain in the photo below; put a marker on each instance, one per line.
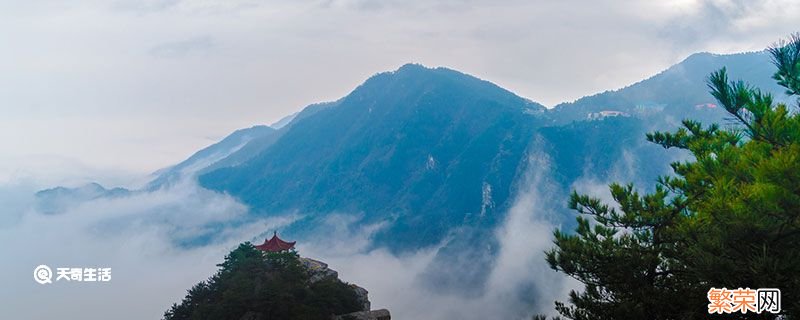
(236, 148)
(207, 157)
(426, 148)
(677, 89)
(258, 144)
(284, 121)
(60, 199)
(435, 157)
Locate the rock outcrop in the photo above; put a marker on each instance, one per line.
(319, 270)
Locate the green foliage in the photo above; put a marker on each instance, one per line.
(251, 284)
(786, 56)
(728, 218)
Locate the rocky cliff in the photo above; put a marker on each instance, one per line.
(319, 270)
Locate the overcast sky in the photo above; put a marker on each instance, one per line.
(132, 86)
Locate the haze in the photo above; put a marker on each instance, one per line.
(133, 86)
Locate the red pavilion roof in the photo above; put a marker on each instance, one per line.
(275, 244)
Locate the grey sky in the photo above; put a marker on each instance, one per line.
(133, 86)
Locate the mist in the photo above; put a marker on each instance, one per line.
(144, 238)
(160, 243)
(520, 284)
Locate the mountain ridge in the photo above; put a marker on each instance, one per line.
(375, 106)
(688, 78)
(432, 157)
(458, 137)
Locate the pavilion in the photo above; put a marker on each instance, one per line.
(275, 244)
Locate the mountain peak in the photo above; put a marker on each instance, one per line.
(411, 66)
(426, 126)
(417, 69)
(418, 79)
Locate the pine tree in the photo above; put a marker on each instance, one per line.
(729, 217)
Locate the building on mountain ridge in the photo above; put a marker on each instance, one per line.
(275, 244)
(605, 114)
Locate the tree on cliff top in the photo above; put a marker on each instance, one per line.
(729, 217)
(255, 285)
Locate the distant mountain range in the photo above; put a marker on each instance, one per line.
(437, 155)
(680, 87)
(60, 199)
(217, 155)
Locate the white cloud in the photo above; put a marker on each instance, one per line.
(83, 74)
(86, 84)
(144, 238)
(520, 282)
(182, 48)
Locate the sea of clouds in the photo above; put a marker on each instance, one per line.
(148, 239)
